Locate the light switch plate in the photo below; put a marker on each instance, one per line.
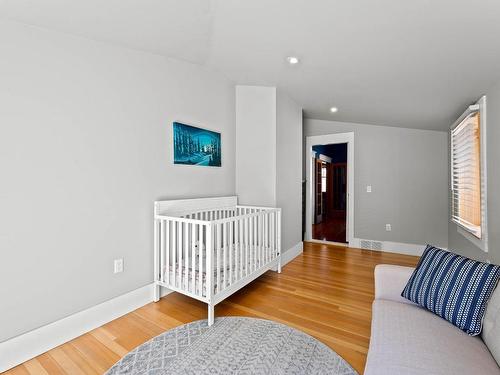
(388, 227)
(118, 265)
(368, 188)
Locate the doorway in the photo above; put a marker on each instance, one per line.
(330, 188)
(330, 192)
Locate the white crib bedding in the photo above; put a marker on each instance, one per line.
(174, 279)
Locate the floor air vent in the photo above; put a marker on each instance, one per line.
(371, 245)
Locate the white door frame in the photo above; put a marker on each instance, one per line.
(326, 140)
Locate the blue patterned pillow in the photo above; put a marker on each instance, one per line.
(454, 287)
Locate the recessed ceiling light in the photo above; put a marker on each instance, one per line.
(292, 60)
(334, 109)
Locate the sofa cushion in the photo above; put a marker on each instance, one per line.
(454, 287)
(407, 339)
(491, 325)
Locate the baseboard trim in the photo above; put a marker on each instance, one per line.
(331, 243)
(391, 247)
(22, 348)
(292, 253)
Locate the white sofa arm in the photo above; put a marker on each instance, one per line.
(390, 281)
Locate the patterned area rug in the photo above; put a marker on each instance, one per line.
(233, 345)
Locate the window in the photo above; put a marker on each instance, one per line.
(323, 178)
(468, 188)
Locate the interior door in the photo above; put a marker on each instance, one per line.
(318, 195)
(330, 190)
(339, 191)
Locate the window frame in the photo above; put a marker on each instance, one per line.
(481, 243)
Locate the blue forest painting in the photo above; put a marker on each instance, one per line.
(196, 146)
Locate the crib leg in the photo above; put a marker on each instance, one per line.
(156, 297)
(279, 264)
(211, 314)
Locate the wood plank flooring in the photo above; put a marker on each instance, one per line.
(330, 229)
(326, 292)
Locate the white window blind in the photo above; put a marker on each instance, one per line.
(466, 174)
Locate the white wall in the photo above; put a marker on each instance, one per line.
(408, 172)
(84, 151)
(289, 168)
(457, 241)
(256, 145)
(269, 155)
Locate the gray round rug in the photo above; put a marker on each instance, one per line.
(233, 345)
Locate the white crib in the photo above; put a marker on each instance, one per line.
(211, 247)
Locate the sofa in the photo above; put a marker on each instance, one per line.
(408, 339)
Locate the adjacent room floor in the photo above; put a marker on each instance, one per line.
(326, 292)
(332, 230)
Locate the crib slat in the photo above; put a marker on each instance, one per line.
(237, 260)
(272, 235)
(253, 239)
(217, 269)
(180, 229)
(273, 228)
(265, 247)
(276, 234)
(240, 247)
(268, 243)
(247, 260)
(250, 244)
(266, 237)
(257, 238)
(253, 244)
(256, 243)
(156, 239)
(166, 272)
(259, 242)
(186, 254)
(256, 234)
(224, 255)
(260, 239)
(200, 258)
(174, 251)
(162, 250)
(193, 257)
(278, 239)
(231, 250)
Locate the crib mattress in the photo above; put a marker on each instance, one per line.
(173, 277)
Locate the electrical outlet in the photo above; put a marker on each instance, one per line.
(368, 188)
(388, 227)
(118, 265)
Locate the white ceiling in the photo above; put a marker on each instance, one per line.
(390, 62)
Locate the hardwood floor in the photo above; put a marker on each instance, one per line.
(327, 292)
